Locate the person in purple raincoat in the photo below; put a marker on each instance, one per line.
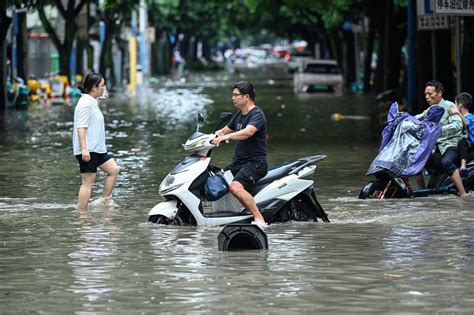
(407, 142)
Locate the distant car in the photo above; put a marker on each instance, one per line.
(280, 52)
(318, 75)
(297, 58)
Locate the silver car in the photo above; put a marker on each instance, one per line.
(318, 75)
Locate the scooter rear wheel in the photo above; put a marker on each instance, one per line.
(302, 212)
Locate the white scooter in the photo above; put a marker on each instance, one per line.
(285, 193)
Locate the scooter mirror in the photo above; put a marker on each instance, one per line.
(200, 121)
(225, 116)
(200, 118)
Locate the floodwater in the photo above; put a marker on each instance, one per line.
(412, 256)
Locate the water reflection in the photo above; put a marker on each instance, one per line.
(377, 256)
(94, 262)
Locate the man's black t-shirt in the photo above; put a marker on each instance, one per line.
(255, 147)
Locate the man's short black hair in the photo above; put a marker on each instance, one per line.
(437, 85)
(465, 99)
(246, 88)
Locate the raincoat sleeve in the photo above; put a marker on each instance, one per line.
(422, 115)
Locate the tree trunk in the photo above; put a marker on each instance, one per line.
(22, 47)
(206, 48)
(468, 55)
(398, 34)
(444, 64)
(368, 56)
(388, 35)
(105, 61)
(424, 72)
(5, 22)
(64, 48)
(184, 46)
(3, 78)
(349, 57)
(376, 11)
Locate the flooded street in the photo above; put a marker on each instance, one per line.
(411, 256)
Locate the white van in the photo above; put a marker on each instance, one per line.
(318, 76)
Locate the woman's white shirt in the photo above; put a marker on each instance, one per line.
(88, 115)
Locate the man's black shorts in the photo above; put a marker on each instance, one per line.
(248, 173)
(96, 160)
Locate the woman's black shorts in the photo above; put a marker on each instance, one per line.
(96, 160)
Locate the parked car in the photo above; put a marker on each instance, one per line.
(318, 75)
(281, 52)
(297, 58)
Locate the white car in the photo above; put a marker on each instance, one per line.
(297, 59)
(318, 75)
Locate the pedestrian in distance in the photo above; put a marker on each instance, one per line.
(248, 127)
(466, 145)
(445, 156)
(89, 141)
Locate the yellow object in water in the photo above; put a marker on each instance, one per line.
(337, 116)
(33, 85)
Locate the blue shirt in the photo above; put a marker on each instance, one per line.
(470, 127)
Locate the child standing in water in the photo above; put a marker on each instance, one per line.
(466, 145)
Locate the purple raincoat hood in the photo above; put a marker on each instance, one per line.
(407, 142)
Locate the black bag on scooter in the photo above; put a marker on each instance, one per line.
(215, 186)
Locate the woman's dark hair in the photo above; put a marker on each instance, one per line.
(246, 88)
(465, 99)
(436, 84)
(92, 79)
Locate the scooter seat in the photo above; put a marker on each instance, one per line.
(279, 171)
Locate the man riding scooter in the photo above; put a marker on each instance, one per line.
(249, 128)
(444, 159)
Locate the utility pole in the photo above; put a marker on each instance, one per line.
(132, 53)
(411, 88)
(143, 50)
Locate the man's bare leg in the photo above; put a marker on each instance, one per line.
(456, 178)
(246, 199)
(419, 181)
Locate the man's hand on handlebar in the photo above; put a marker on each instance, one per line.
(220, 139)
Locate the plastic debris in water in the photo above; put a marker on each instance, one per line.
(338, 117)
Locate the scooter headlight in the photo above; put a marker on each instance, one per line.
(195, 145)
(168, 184)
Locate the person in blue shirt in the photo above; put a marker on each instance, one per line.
(466, 144)
(248, 127)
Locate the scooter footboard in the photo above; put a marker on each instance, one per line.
(167, 208)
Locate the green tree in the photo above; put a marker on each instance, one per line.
(113, 14)
(68, 12)
(5, 23)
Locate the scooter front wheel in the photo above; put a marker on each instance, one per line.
(159, 219)
(370, 190)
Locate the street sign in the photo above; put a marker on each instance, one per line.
(426, 20)
(432, 22)
(454, 7)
